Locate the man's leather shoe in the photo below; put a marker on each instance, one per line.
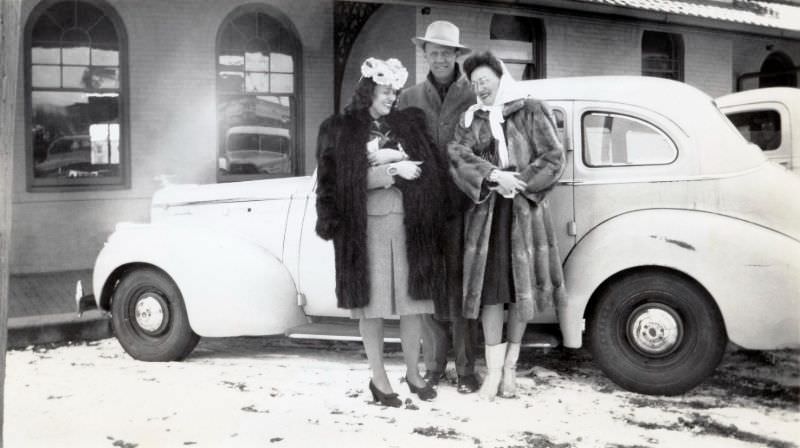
(433, 377)
(468, 384)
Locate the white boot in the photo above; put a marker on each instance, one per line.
(508, 385)
(494, 365)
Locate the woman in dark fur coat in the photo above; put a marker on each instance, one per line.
(381, 199)
(506, 157)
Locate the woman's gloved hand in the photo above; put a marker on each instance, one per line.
(407, 169)
(508, 183)
(385, 155)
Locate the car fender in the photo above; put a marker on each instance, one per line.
(751, 272)
(231, 286)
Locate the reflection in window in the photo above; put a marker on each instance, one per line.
(662, 55)
(74, 95)
(617, 140)
(518, 41)
(762, 127)
(256, 102)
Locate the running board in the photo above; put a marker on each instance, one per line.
(342, 331)
(347, 330)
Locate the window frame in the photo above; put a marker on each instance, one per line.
(678, 48)
(584, 149)
(123, 182)
(297, 152)
(538, 44)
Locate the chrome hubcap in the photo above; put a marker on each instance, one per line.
(149, 313)
(655, 330)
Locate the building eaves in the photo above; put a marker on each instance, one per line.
(777, 15)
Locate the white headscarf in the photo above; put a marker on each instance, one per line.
(508, 90)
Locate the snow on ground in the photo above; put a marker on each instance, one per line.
(260, 392)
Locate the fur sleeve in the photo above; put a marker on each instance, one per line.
(327, 213)
(547, 162)
(468, 170)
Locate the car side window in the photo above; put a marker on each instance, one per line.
(620, 140)
(762, 127)
(558, 115)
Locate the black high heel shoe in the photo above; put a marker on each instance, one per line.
(424, 393)
(391, 400)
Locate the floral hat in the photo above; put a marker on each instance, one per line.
(385, 73)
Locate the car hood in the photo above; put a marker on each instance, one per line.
(258, 190)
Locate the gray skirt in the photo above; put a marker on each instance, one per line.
(388, 271)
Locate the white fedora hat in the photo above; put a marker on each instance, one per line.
(443, 33)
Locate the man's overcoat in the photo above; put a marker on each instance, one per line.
(537, 154)
(441, 116)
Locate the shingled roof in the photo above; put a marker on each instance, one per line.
(783, 15)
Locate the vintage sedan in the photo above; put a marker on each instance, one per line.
(677, 237)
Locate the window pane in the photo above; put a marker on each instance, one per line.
(256, 135)
(661, 55)
(45, 54)
(105, 57)
(77, 54)
(67, 130)
(256, 58)
(256, 82)
(615, 140)
(45, 76)
(511, 28)
(46, 29)
(104, 77)
(87, 15)
(281, 63)
(230, 82)
(762, 127)
(558, 115)
(517, 70)
(104, 35)
(281, 83)
(77, 77)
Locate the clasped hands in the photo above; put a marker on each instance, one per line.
(508, 183)
(396, 161)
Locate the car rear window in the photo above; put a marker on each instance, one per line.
(762, 127)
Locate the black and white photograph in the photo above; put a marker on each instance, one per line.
(400, 223)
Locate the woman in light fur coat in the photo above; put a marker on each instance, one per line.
(506, 157)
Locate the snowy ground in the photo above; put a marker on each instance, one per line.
(261, 392)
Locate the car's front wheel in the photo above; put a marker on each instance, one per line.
(657, 333)
(149, 317)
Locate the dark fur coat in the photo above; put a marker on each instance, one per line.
(342, 203)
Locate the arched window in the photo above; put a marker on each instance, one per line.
(519, 42)
(74, 85)
(778, 71)
(662, 55)
(258, 71)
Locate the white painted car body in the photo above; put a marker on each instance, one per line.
(783, 101)
(247, 260)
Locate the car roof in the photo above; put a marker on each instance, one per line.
(692, 110)
(786, 95)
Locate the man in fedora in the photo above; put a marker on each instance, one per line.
(444, 95)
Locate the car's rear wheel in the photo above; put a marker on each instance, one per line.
(657, 333)
(149, 317)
